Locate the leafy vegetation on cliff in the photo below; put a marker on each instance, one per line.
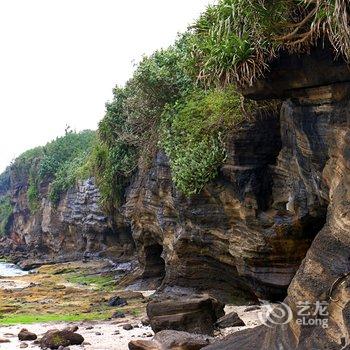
(129, 133)
(5, 213)
(185, 99)
(60, 164)
(5, 181)
(162, 106)
(193, 135)
(235, 40)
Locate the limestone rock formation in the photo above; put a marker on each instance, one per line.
(193, 314)
(315, 129)
(77, 227)
(245, 234)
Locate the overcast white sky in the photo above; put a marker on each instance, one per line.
(60, 59)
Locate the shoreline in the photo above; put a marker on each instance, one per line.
(80, 291)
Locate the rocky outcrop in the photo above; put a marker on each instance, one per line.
(315, 129)
(281, 198)
(77, 227)
(193, 314)
(284, 188)
(246, 233)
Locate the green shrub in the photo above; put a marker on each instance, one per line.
(5, 180)
(193, 135)
(60, 163)
(26, 164)
(68, 175)
(128, 134)
(234, 41)
(33, 196)
(5, 213)
(63, 150)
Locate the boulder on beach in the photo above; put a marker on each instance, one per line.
(128, 327)
(24, 335)
(54, 339)
(188, 313)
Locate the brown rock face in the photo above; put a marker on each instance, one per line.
(77, 227)
(246, 233)
(292, 72)
(315, 129)
(193, 314)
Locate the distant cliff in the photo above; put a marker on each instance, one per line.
(50, 210)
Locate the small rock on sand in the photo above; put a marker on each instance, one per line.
(117, 301)
(252, 308)
(118, 314)
(128, 327)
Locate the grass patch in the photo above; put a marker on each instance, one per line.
(14, 319)
(136, 312)
(104, 283)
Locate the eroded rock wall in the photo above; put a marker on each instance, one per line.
(75, 228)
(315, 129)
(247, 232)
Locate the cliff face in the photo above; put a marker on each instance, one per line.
(277, 216)
(76, 227)
(243, 232)
(251, 228)
(315, 163)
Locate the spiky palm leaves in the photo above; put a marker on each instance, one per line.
(328, 19)
(235, 40)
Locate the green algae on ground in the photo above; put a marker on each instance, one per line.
(105, 283)
(66, 292)
(14, 319)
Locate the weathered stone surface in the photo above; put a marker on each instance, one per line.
(24, 334)
(230, 320)
(144, 345)
(77, 228)
(194, 314)
(236, 238)
(172, 340)
(315, 128)
(55, 338)
(290, 73)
